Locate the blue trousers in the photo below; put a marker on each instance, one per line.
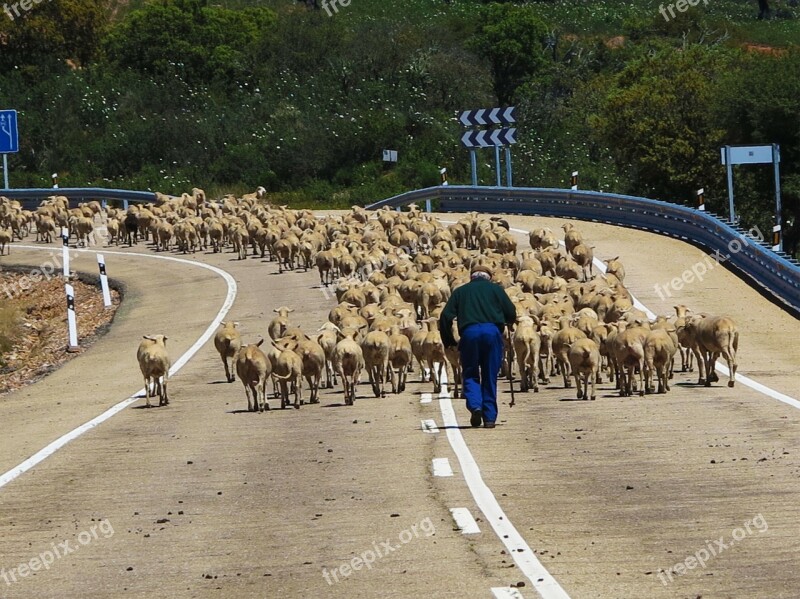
(481, 349)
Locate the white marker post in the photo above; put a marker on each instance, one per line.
(65, 250)
(701, 199)
(104, 281)
(71, 322)
(574, 181)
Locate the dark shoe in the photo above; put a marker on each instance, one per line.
(477, 418)
(488, 425)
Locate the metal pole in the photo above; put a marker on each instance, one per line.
(508, 166)
(731, 211)
(5, 170)
(497, 165)
(776, 159)
(474, 163)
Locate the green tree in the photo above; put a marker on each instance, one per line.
(512, 39)
(655, 120)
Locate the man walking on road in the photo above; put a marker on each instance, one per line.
(482, 309)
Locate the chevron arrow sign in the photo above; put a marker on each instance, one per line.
(488, 116)
(485, 139)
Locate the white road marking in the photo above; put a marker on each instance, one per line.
(429, 426)
(425, 398)
(441, 467)
(506, 593)
(526, 560)
(465, 521)
(53, 447)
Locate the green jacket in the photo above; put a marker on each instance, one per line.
(478, 302)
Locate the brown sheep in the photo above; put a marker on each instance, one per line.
(584, 360)
(154, 363)
(253, 368)
(228, 341)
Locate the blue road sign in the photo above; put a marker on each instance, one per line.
(9, 137)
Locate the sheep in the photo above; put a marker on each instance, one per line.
(6, 236)
(584, 256)
(228, 341)
(433, 352)
(253, 368)
(375, 349)
(278, 325)
(131, 227)
(684, 339)
(527, 346)
(562, 340)
(615, 267)
(154, 363)
(659, 348)
(584, 360)
(327, 340)
(313, 358)
(113, 228)
(399, 358)
(628, 346)
(714, 335)
(572, 237)
(288, 368)
(348, 360)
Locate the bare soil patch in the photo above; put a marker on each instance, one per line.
(33, 325)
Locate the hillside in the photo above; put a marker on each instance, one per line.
(230, 95)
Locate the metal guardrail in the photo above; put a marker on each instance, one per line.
(80, 194)
(775, 273)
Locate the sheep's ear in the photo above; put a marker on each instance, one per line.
(235, 323)
(259, 342)
(148, 337)
(165, 337)
(275, 310)
(290, 310)
(223, 324)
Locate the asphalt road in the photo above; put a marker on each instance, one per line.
(202, 499)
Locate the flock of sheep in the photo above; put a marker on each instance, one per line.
(392, 273)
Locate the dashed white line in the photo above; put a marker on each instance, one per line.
(464, 520)
(506, 593)
(425, 398)
(429, 426)
(441, 467)
(53, 447)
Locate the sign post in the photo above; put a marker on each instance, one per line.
(732, 155)
(486, 138)
(9, 139)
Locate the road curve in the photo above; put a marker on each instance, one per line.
(207, 501)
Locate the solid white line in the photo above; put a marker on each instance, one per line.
(526, 560)
(441, 467)
(50, 449)
(464, 520)
(506, 593)
(429, 426)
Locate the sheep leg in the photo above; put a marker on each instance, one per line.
(298, 391)
(578, 384)
(594, 377)
(147, 389)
